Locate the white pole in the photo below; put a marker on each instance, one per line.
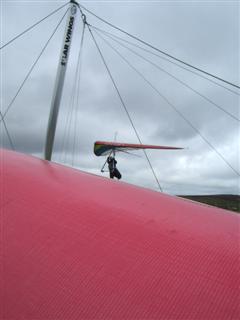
(57, 93)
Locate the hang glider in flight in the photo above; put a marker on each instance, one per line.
(102, 148)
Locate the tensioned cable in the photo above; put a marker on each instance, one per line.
(67, 128)
(74, 101)
(79, 67)
(32, 67)
(7, 132)
(125, 108)
(170, 104)
(34, 25)
(66, 132)
(165, 59)
(177, 79)
(70, 113)
(157, 49)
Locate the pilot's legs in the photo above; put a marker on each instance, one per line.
(117, 174)
(111, 174)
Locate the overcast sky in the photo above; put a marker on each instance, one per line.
(202, 33)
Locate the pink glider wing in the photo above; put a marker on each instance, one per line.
(79, 246)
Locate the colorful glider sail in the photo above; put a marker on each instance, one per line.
(102, 148)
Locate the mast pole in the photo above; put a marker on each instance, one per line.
(57, 93)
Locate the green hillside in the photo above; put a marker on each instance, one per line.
(224, 201)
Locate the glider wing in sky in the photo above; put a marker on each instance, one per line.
(102, 148)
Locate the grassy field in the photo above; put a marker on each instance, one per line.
(229, 202)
